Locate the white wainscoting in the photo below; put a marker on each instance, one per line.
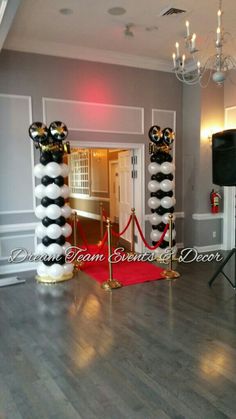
(17, 157)
(94, 117)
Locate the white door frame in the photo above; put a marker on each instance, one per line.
(111, 162)
(139, 197)
(229, 201)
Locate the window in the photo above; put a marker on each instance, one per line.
(79, 172)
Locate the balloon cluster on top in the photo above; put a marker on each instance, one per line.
(161, 185)
(53, 211)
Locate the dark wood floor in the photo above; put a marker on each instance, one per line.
(151, 351)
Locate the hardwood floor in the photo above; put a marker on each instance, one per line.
(157, 350)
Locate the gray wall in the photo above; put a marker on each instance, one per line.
(203, 109)
(44, 76)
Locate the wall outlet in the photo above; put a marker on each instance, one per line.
(214, 234)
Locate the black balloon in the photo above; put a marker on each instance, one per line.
(48, 262)
(47, 241)
(46, 180)
(59, 180)
(45, 157)
(61, 240)
(160, 211)
(171, 210)
(168, 157)
(61, 260)
(153, 177)
(57, 156)
(60, 221)
(45, 201)
(161, 226)
(59, 201)
(47, 221)
(160, 176)
(154, 227)
(169, 177)
(160, 194)
(164, 244)
(154, 243)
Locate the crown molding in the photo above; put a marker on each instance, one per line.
(87, 54)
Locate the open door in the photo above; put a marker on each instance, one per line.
(125, 192)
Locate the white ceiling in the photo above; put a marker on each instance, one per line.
(91, 33)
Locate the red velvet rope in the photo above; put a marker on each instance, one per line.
(81, 232)
(144, 240)
(123, 231)
(101, 245)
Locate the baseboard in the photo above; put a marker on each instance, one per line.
(210, 248)
(12, 268)
(9, 228)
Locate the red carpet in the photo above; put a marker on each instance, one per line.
(127, 273)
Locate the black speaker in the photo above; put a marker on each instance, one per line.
(224, 158)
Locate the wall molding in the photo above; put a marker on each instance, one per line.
(208, 216)
(209, 248)
(178, 214)
(59, 49)
(88, 198)
(28, 211)
(11, 268)
(90, 128)
(8, 228)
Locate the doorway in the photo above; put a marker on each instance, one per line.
(122, 185)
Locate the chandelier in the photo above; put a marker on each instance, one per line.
(215, 67)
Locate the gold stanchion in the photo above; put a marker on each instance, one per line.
(170, 273)
(75, 229)
(132, 251)
(111, 283)
(101, 222)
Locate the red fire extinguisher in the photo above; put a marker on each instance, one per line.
(215, 201)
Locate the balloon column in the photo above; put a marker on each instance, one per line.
(161, 185)
(52, 193)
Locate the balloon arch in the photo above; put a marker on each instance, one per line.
(161, 186)
(53, 211)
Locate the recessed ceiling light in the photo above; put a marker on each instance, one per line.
(117, 11)
(66, 11)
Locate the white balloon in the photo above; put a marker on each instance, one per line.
(65, 191)
(167, 235)
(68, 268)
(53, 169)
(53, 191)
(155, 235)
(66, 211)
(40, 231)
(42, 270)
(40, 191)
(53, 211)
(153, 202)
(64, 169)
(55, 270)
(41, 249)
(54, 231)
(167, 168)
(167, 202)
(166, 185)
(65, 246)
(39, 170)
(165, 218)
(54, 249)
(155, 219)
(159, 251)
(154, 168)
(153, 186)
(66, 230)
(40, 212)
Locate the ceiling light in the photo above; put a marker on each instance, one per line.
(3, 6)
(117, 11)
(66, 11)
(216, 66)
